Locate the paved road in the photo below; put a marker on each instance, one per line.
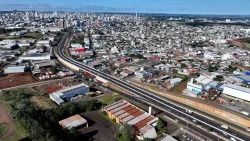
(5, 117)
(213, 121)
(145, 94)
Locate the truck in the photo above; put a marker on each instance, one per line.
(224, 126)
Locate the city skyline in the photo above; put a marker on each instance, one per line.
(222, 7)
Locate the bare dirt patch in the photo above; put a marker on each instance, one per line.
(13, 80)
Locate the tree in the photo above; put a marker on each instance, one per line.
(74, 135)
(118, 134)
(219, 78)
(212, 68)
(129, 133)
(131, 55)
(54, 69)
(183, 65)
(160, 124)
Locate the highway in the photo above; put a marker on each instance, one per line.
(153, 98)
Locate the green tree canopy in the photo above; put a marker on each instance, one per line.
(219, 78)
(160, 124)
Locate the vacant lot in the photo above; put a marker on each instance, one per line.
(109, 99)
(32, 35)
(180, 88)
(13, 80)
(53, 88)
(43, 102)
(100, 129)
(241, 44)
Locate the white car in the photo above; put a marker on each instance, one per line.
(233, 139)
(248, 129)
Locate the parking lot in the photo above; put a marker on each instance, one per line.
(100, 129)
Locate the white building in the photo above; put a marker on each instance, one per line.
(76, 45)
(43, 43)
(198, 84)
(175, 81)
(36, 56)
(227, 56)
(14, 69)
(6, 42)
(211, 56)
(237, 91)
(114, 50)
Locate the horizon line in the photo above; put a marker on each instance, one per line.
(127, 12)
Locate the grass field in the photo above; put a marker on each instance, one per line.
(20, 132)
(43, 102)
(3, 36)
(3, 129)
(109, 99)
(32, 35)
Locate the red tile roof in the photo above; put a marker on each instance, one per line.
(128, 108)
(136, 114)
(143, 123)
(133, 111)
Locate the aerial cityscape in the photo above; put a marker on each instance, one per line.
(143, 70)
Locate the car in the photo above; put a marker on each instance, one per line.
(248, 129)
(224, 126)
(233, 139)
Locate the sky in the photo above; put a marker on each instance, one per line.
(220, 7)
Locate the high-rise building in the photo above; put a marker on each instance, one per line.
(65, 22)
(61, 23)
(27, 17)
(78, 24)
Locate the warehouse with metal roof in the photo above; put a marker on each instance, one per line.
(125, 112)
(14, 69)
(73, 121)
(36, 56)
(237, 91)
(68, 93)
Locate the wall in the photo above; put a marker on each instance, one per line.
(211, 109)
(73, 67)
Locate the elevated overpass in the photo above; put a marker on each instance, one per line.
(153, 98)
